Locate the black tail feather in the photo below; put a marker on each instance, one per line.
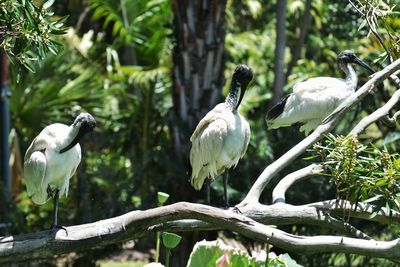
(277, 110)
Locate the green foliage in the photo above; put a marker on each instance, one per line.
(170, 240)
(140, 24)
(382, 20)
(215, 253)
(27, 31)
(39, 99)
(162, 198)
(360, 172)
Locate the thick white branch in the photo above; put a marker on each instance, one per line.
(278, 194)
(135, 224)
(328, 124)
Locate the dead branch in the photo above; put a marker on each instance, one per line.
(137, 223)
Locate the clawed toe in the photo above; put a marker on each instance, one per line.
(237, 210)
(55, 227)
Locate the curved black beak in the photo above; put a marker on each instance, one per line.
(364, 65)
(78, 137)
(242, 91)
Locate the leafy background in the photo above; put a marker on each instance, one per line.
(115, 63)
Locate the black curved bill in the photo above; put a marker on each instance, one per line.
(74, 142)
(364, 65)
(241, 95)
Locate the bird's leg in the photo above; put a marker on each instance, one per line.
(207, 183)
(55, 223)
(56, 196)
(225, 177)
(49, 192)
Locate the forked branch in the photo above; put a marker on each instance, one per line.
(135, 224)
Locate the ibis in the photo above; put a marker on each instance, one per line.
(314, 99)
(222, 136)
(52, 158)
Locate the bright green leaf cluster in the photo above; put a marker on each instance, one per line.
(360, 172)
(26, 31)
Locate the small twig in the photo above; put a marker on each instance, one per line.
(361, 211)
(352, 231)
(278, 194)
(378, 114)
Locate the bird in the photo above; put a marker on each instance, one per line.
(222, 135)
(314, 99)
(52, 159)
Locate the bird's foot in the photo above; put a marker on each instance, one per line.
(49, 191)
(226, 206)
(236, 210)
(55, 227)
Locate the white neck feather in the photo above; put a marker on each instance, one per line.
(351, 76)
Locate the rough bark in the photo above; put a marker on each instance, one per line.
(197, 77)
(198, 57)
(137, 223)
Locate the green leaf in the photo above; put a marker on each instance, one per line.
(170, 240)
(162, 197)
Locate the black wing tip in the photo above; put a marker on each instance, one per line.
(277, 110)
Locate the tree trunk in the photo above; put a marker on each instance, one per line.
(305, 25)
(197, 75)
(280, 45)
(198, 57)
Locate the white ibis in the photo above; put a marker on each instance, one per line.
(314, 99)
(52, 159)
(222, 136)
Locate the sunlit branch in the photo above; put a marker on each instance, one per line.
(135, 224)
(278, 194)
(378, 114)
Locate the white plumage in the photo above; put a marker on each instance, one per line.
(44, 166)
(222, 136)
(52, 158)
(314, 99)
(219, 141)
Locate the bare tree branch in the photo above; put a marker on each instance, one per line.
(278, 194)
(328, 124)
(137, 223)
(363, 210)
(378, 114)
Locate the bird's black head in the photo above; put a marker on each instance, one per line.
(243, 74)
(348, 56)
(85, 121)
(85, 124)
(241, 78)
